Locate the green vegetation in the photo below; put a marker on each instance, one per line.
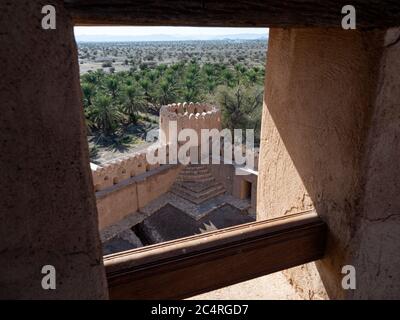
(120, 106)
(114, 100)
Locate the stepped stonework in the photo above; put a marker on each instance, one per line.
(196, 184)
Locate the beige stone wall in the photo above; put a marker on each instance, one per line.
(130, 195)
(329, 142)
(121, 169)
(224, 174)
(47, 206)
(154, 185)
(238, 188)
(376, 254)
(188, 115)
(116, 203)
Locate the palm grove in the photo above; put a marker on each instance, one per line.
(116, 101)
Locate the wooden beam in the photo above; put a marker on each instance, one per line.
(228, 13)
(185, 267)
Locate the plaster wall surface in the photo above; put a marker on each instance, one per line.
(377, 254)
(329, 141)
(47, 206)
(116, 203)
(224, 174)
(130, 195)
(150, 188)
(233, 183)
(194, 116)
(120, 169)
(239, 191)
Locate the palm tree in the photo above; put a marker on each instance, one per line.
(112, 86)
(227, 77)
(153, 75)
(209, 70)
(133, 102)
(88, 91)
(240, 70)
(167, 90)
(210, 85)
(161, 68)
(88, 120)
(90, 77)
(106, 115)
(190, 90)
(210, 77)
(252, 77)
(145, 84)
(99, 75)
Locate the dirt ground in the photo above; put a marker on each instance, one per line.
(271, 287)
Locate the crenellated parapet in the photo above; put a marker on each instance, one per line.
(117, 170)
(195, 116)
(191, 115)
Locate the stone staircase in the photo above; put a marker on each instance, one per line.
(196, 193)
(196, 184)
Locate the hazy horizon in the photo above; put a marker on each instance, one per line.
(115, 34)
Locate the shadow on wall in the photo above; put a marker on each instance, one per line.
(319, 90)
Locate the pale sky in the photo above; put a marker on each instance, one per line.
(175, 31)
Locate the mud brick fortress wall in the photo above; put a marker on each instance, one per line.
(330, 141)
(125, 185)
(191, 115)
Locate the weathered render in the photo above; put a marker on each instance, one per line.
(128, 196)
(329, 142)
(191, 115)
(47, 205)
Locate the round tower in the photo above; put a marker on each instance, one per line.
(191, 115)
